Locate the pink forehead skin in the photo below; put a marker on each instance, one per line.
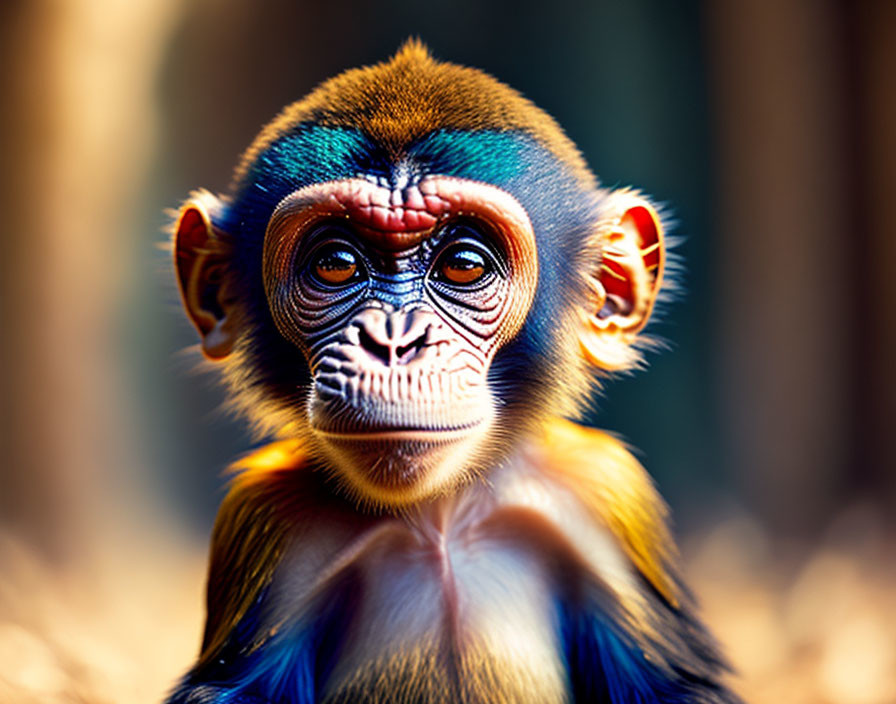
(396, 219)
(409, 209)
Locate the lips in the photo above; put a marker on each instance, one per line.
(403, 434)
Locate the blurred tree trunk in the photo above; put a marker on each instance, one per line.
(77, 82)
(806, 126)
(873, 24)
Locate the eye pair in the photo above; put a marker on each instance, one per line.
(460, 264)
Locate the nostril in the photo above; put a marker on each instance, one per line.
(406, 353)
(374, 348)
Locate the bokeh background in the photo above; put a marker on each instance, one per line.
(768, 127)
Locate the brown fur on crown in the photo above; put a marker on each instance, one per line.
(412, 94)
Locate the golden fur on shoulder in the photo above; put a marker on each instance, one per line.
(250, 534)
(618, 491)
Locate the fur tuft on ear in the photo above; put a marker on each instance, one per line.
(623, 281)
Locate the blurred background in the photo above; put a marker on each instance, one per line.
(769, 129)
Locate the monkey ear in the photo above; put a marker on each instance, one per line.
(622, 282)
(202, 255)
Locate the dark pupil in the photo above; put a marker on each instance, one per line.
(336, 266)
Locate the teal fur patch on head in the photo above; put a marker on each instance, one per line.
(313, 154)
(310, 155)
(489, 156)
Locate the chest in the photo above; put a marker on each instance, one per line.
(452, 612)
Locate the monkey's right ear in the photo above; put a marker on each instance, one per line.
(202, 255)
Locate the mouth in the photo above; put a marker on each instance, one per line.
(427, 435)
(334, 420)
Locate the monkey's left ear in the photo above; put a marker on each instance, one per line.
(202, 255)
(623, 282)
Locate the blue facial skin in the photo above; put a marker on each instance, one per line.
(560, 208)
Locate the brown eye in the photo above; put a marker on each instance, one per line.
(336, 266)
(462, 265)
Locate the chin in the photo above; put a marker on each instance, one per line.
(400, 466)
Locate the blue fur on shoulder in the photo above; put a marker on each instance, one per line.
(288, 667)
(607, 666)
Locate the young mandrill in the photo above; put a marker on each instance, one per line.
(414, 280)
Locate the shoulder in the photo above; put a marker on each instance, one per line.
(274, 490)
(616, 491)
(648, 622)
(594, 493)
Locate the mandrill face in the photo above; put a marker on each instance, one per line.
(399, 294)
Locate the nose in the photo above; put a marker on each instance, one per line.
(393, 338)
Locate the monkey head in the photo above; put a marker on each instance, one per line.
(414, 265)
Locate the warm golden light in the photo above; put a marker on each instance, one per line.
(112, 109)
